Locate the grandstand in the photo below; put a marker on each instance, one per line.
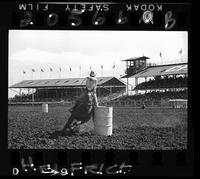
(171, 76)
(161, 83)
(64, 89)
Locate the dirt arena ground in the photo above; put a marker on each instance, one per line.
(134, 129)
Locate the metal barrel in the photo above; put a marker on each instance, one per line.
(103, 119)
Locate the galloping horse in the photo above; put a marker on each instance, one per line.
(82, 112)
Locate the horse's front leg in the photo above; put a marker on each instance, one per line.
(69, 122)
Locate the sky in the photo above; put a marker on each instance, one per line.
(85, 50)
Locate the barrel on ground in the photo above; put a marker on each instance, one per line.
(103, 120)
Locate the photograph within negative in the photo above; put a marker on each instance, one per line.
(90, 89)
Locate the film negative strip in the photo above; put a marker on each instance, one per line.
(47, 50)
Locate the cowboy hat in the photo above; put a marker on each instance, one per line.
(92, 74)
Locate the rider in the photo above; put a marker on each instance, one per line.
(91, 85)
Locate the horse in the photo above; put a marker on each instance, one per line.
(82, 112)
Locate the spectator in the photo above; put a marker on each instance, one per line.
(143, 105)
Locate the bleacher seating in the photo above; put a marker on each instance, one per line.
(153, 98)
(159, 83)
(50, 95)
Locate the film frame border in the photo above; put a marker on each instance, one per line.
(154, 162)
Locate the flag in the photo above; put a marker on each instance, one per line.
(90, 68)
(51, 69)
(24, 72)
(113, 66)
(33, 70)
(101, 66)
(42, 70)
(160, 54)
(180, 52)
(70, 69)
(60, 69)
(80, 67)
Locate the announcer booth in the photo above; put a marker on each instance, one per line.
(134, 66)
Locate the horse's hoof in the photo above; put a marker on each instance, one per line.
(78, 122)
(67, 132)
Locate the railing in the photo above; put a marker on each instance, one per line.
(41, 102)
(135, 104)
(110, 97)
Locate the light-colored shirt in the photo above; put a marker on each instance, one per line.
(91, 83)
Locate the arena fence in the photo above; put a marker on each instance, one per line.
(131, 103)
(40, 103)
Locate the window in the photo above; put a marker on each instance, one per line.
(162, 71)
(76, 81)
(29, 82)
(66, 81)
(141, 62)
(132, 63)
(57, 81)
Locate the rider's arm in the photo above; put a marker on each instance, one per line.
(95, 87)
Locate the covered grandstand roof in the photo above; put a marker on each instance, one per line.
(68, 82)
(161, 70)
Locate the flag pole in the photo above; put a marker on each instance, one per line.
(113, 69)
(181, 52)
(32, 75)
(182, 57)
(70, 72)
(50, 72)
(60, 73)
(80, 71)
(101, 70)
(23, 75)
(161, 63)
